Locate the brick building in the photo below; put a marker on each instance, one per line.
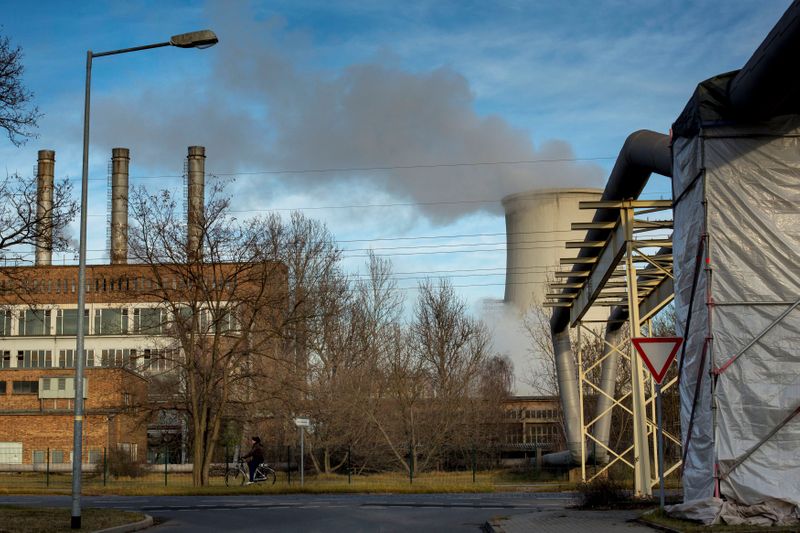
(36, 414)
(533, 427)
(130, 348)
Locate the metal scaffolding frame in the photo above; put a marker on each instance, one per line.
(634, 271)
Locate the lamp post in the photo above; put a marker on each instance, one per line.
(196, 39)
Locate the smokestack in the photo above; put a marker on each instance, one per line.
(196, 163)
(44, 207)
(120, 159)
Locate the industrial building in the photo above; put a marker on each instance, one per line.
(130, 357)
(732, 266)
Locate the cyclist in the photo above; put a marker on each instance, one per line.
(256, 456)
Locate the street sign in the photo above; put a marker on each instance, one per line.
(657, 353)
(302, 422)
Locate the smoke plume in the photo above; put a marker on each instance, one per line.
(263, 106)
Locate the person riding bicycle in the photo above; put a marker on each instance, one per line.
(256, 456)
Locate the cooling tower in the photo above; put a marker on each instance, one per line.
(538, 224)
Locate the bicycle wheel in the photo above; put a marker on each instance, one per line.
(269, 475)
(234, 476)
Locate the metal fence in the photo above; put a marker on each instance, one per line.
(116, 471)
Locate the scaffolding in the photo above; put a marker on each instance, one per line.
(632, 271)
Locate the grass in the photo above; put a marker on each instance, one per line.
(660, 518)
(181, 484)
(16, 519)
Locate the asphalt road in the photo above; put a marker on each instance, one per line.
(418, 513)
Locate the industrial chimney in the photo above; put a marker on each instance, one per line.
(196, 165)
(44, 207)
(120, 159)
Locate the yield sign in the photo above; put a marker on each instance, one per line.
(657, 353)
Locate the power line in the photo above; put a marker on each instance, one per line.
(368, 206)
(417, 166)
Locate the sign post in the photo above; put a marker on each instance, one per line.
(302, 423)
(657, 354)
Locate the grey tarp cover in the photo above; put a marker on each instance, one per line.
(741, 187)
(712, 511)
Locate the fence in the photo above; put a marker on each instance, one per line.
(115, 471)
(347, 470)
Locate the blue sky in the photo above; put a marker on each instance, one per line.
(351, 84)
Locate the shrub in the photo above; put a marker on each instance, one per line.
(602, 493)
(120, 464)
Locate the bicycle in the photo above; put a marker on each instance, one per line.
(240, 474)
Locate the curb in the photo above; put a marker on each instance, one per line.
(146, 522)
(652, 525)
(492, 526)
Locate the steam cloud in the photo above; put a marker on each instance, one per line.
(259, 110)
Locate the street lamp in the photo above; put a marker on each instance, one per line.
(195, 39)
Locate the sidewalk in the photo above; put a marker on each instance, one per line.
(569, 521)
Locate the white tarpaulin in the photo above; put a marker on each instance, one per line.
(737, 198)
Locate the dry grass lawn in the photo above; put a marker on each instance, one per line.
(18, 519)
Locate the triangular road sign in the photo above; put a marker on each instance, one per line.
(657, 353)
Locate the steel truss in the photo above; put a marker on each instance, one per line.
(633, 270)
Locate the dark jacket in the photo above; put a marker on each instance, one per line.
(256, 452)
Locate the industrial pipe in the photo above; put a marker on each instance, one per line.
(643, 153)
(769, 82)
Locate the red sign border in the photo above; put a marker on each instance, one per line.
(638, 341)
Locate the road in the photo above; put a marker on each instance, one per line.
(416, 513)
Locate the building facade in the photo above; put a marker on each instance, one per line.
(533, 427)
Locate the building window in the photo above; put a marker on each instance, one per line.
(130, 448)
(35, 359)
(66, 358)
(34, 322)
(67, 322)
(95, 456)
(2, 387)
(38, 456)
(58, 457)
(117, 358)
(147, 321)
(62, 383)
(113, 321)
(25, 387)
(45, 383)
(6, 362)
(6, 319)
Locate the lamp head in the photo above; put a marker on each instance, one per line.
(194, 39)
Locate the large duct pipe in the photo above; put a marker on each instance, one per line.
(568, 392)
(120, 159)
(44, 207)
(769, 82)
(196, 162)
(643, 153)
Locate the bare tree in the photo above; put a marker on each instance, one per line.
(433, 380)
(21, 223)
(222, 311)
(17, 116)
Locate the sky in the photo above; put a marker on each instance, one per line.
(399, 125)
